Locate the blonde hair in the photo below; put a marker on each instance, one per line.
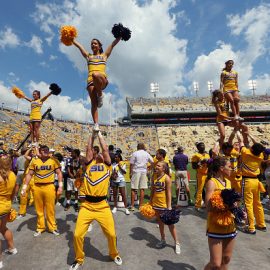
(5, 167)
(165, 166)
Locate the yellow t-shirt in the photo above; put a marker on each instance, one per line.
(96, 180)
(6, 190)
(251, 164)
(202, 169)
(215, 230)
(44, 171)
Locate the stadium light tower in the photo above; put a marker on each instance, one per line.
(196, 88)
(210, 86)
(154, 88)
(252, 86)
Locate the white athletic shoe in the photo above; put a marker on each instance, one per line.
(12, 251)
(1, 264)
(100, 101)
(118, 260)
(37, 234)
(75, 266)
(177, 248)
(20, 216)
(90, 228)
(56, 232)
(127, 212)
(96, 127)
(114, 210)
(161, 244)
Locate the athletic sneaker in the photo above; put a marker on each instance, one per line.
(118, 260)
(161, 244)
(131, 208)
(247, 231)
(177, 248)
(127, 212)
(100, 101)
(56, 232)
(96, 127)
(37, 233)
(239, 118)
(90, 228)
(114, 210)
(199, 210)
(263, 229)
(75, 266)
(20, 216)
(12, 251)
(1, 264)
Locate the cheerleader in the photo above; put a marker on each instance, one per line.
(97, 77)
(35, 115)
(161, 199)
(221, 238)
(7, 189)
(229, 86)
(223, 118)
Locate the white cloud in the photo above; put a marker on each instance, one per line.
(8, 38)
(53, 57)
(152, 54)
(36, 44)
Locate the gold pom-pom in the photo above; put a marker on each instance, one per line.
(224, 218)
(17, 92)
(78, 183)
(68, 33)
(217, 201)
(147, 211)
(12, 215)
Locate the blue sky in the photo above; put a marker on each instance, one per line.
(173, 43)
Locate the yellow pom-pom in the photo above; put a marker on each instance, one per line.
(17, 92)
(224, 218)
(217, 201)
(12, 215)
(147, 211)
(68, 33)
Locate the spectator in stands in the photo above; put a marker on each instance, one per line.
(138, 173)
(223, 118)
(229, 86)
(97, 78)
(251, 162)
(73, 167)
(199, 163)
(180, 162)
(20, 168)
(2, 150)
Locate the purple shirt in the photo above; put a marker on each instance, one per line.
(180, 162)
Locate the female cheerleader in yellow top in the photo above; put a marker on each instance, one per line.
(229, 86)
(161, 199)
(97, 78)
(35, 115)
(223, 117)
(221, 238)
(7, 189)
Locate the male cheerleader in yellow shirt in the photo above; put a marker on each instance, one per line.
(43, 170)
(93, 195)
(199, 163)
(251, 161)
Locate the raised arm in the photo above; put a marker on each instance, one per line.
(89, 149)
(45, 97)
(104, 147)
(230, 140)
(110, 48)
(81, 48)
(28, 99)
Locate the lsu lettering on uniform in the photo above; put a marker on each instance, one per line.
(223, 118)
(236, 175)
(96, 63)
(159, 201)
(35, 114)
(229, 81)
(250, 166)
(44, 191)
(6, 190)
(215, 230)
(201, 176)
(94, 190)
